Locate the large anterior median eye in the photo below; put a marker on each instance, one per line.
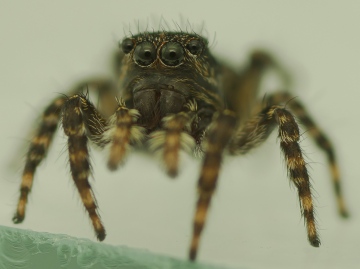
(172, 53)
(145, 53)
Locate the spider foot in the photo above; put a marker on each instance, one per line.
(315, 242)
(172, 172)
(344, 213)
(101, 235)
(18, 219)
(192, 255)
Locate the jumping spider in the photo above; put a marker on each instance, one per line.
(172, 94)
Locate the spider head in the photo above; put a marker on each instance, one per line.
(162, 71)
(164, 49)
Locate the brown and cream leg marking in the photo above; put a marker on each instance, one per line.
(37, 152)
(75, 112)
(257, 130)
(218, 137)
(42, 140)
(175, 136)
(175, 139)
(321, 140)
(121, 132)
(105, 90)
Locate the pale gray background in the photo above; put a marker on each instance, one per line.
(254, 221)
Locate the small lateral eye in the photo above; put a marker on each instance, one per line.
(195, 46)
(127, 45)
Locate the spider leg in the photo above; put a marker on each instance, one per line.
(174, 136)
(256, 130)
(241, 90)
(77, 118)
(321, 141)
(41, 142)
(105, 90)
(218, 137)
(37, 151)
(121, 132)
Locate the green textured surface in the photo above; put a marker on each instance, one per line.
(23, 249)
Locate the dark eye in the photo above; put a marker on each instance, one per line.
(127, 45)
(195, 46)
(145, 53)
(172, 53)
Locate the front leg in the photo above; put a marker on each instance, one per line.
(321, 139)
(37, 152)
(41, 142)
(218, 137)
(256, 130)
(79, 117)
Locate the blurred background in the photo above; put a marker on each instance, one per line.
(254, 222)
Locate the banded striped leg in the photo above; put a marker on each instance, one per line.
(37, 151)
(218, 137)
(42, 140)
(257, 130)
(121, 132)
(174, 137)
(75, 120)
(321, 140)
(105, 90)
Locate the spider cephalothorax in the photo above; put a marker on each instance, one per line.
(171, 95)
(162, 72)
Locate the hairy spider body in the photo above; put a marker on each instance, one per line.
(173, 95)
